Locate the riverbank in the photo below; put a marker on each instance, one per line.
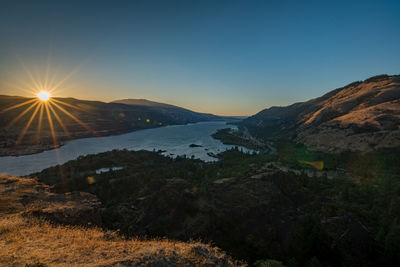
(47, 143)
(242, 137)
(174, 140)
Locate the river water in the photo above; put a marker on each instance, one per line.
(175, 140)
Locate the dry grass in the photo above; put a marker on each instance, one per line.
(30, 240)
(25, 239)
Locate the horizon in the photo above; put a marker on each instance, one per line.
(222, 115)
(225, 58)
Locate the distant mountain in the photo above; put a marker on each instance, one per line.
(143, 102)
(89, 118)
(175, 112)
(361, 116)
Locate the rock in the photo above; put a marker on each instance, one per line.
(195, 145)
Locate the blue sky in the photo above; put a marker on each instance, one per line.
(223, 57)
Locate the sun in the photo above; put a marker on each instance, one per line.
(43, 95)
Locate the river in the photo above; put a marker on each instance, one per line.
(175, 140)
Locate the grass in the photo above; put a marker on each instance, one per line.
(25, 240)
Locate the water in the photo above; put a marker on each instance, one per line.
(175, 140)
(103, 170)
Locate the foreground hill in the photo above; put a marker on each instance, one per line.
(26, 239)
(89, 118)
(361, 116)
(255, 207)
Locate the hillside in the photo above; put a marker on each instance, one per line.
(36, 230)
(253, 206)
(144, 102)
(84, 119)
(361, 116)
(171, 111)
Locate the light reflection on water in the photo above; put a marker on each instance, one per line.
(175, 140)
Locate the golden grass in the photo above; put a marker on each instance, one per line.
(25, 239)
(30, 240)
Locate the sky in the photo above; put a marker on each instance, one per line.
(221, 57)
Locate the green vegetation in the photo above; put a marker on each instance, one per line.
(362, 165)
(144, 166)
(230, 136)
(297, 220)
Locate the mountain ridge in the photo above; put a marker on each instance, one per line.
(143, 102)
(362, 115)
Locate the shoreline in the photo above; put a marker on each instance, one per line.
(242, 138)
(24, 150)
(136, 140)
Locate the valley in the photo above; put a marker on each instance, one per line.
(199, 133)
(293, 203)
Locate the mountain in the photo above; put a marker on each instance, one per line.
(172, 111)
(73, 118)
(167, 108)
(361, 116)
(144, 102)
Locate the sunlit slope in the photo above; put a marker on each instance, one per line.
(363, 115)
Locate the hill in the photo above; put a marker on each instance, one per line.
(253, 206)
(36, 230)
(172, 111)
(144, 102)
(361, 116)
(72, 118)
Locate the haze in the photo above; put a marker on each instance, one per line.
(221, 57)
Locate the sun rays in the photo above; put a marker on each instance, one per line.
(44, 106)
(44, 109)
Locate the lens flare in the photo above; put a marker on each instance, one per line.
(43, 95)
(319, 165)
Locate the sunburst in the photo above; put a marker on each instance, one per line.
(43, 95)
(44, 104)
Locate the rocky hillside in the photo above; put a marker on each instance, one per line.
(89, 118)
(361, 116)
(35, 230)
